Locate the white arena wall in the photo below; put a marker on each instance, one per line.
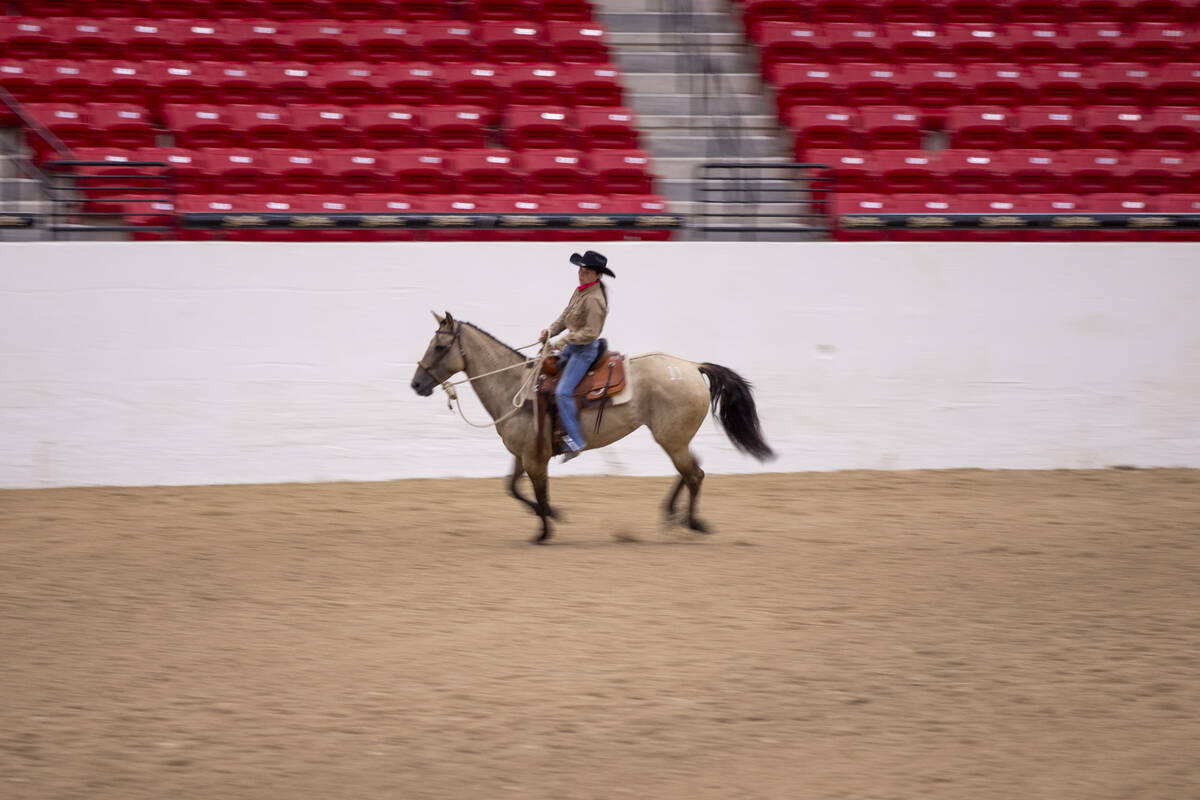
(193, 363)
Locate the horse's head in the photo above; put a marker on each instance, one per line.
(442, 358)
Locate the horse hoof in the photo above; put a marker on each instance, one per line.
(699, 527)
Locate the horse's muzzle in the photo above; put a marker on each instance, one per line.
(424, 390)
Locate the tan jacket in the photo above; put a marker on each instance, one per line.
(583, 318)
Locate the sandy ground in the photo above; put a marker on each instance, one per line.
(960, 634)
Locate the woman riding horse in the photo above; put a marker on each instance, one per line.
(583, 319)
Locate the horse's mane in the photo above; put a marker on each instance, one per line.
(514, 350)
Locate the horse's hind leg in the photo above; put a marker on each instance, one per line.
(691, 476)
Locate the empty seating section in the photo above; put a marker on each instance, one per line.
(1007, 106)
(340, 105)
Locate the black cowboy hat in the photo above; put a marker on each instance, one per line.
(594, 261)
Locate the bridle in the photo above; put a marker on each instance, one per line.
(534, 365)
(457, 339)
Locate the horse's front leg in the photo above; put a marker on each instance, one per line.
(515, 490)
(539, 476)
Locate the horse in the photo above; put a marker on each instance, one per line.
(670, 396)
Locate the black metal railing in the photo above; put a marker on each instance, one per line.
(92, 197)
(762, 197)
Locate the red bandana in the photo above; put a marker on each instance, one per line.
(586, 285)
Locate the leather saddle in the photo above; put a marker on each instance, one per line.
(604, 378)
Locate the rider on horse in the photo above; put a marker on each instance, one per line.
(583, 321)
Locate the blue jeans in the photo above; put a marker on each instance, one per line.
(573, 361)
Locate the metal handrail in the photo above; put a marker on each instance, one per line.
(801, 190)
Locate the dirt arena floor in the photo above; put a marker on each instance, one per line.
(958, 635)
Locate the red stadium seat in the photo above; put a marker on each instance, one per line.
(1161, 42)
(609, 128)
(326, 126)
(974, 171)
(1032, 171)
(504, 10)
(1185, 203)
(179, 82)
(327, 204)
(28, 37)
(556, 171)
(787, 42)
(1094, 170)
(893, 127)
(1063, 84)
(977, 43)
(518, 204)
(1126, 84)
(487, 171)
(351, 83)
(922, 11)
(1053, 203)
(201, 125)
(68, 121)
(292, 9)
(553, 10)
(648, 204)
(389, 203)
(201, 40)
(84, 38)
(1041, 11)
(592, 206)
(757, 13)
(295, 170)
(1049, 127)
(1178, 85)
(854, 41)
(236, 82)
(21, 80)
(420, 171)
(828, 127)
(116, 172)
(936, 87)
(1173, 129)
(807, 85)
(917, 41)
(188, 169)
(933, 204)
(414, 84)
(370, 10)
(859, 83)
(850, 170)
(515, 42)
(122, 124)
(260, 126)
(623, 172)
(391, 127)
(145, 39)
(993, 204)
(323, 40)
(844, 10)
(1162, 171)
(538, 85)
(980, 127)
(595, 84)
(908, 171)
(1032, 43)
(844, 228)
(290, 82)
(236, 170)
(577, 42)
(999, 84)
(69, 81)
(447, 204)
(355, 170)
(1120, 203)
(1118, 127)
(476, 83)
(388, 40)
(976, 11)
(1096, 42)
(425, 9)
(445, 41)
(539, 127)
(258, 39)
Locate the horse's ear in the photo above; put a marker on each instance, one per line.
(440, 319)
(449, 320)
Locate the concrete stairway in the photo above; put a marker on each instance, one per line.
(18, 193)
(686, 118)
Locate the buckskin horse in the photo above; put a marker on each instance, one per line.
(669, 395)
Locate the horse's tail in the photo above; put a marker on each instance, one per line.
(733, 405)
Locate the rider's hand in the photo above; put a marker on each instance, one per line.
(543, 336)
